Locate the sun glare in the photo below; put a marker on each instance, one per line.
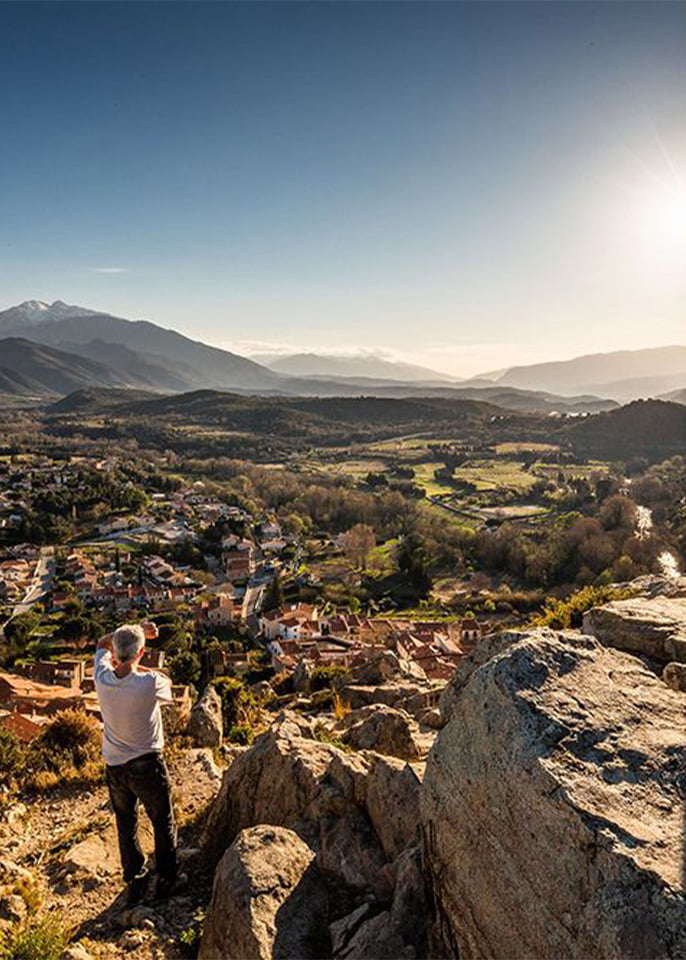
(664, 222)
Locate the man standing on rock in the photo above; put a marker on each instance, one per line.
(133, 738)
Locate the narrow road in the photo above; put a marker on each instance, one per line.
(40, 584)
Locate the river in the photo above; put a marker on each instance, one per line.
(669, 565)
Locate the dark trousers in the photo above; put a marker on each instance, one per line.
(143, 779)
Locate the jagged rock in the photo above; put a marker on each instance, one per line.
(552, 808)
(385, 666)
(202, 758)
(15, 814)
(430, 717)
(13, 908)
(76, 951)
(652, 585)
(263, 690)
(390, 793)
(187, 854)
(342, 931)
(396, 932)
(91, 857)
(655, 628)
(301, 676)
(131, 939)
(268, 900)
(385, 730)
(205, 721)
(356, 810)
(674, 675)
(376, 939)
(140, 918)
(350, 849)
(10, 872)
(391, 694)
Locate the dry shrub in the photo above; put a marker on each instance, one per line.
(66, 750)
(341, 707)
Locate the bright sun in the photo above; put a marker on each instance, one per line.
(665, 220)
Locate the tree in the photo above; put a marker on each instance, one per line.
(273, 595)
(80, 629)
(184, 667)
(18, 631)
(358, 543)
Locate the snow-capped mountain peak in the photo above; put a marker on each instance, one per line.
(33, 306)
(33, 313)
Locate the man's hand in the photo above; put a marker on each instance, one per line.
(150, 630)
(105, 643)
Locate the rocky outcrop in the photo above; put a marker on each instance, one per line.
(288, 778)
(268, 900)
(385, 730)
(653, 628)
(491, 645)
(385, 666)
(674, 675)
(302, 675)
(357, 812)
(205, 721)
(653, 585)
(395, 694)
(552, 807)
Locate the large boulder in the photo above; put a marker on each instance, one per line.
(385, 730)
(488, 647)
(674, 675)
(268, 900)
(92, 857)
(397, 693)
(387, 665)
(302, 676)
(653, 628)
(205, 722)
(552, 807)
(357, 811)
(655, 585)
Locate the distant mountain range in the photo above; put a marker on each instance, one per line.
(31, 369)
(623, 375)
(141, 351)
(95, 349)
(367, 366)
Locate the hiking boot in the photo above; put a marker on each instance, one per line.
(135, 890)
(166, 887)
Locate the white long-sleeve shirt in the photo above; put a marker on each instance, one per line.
(130, 708)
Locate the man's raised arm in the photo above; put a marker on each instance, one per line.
(105, 643)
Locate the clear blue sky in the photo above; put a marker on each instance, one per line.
(469, 185)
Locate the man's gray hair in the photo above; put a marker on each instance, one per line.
(128, 641)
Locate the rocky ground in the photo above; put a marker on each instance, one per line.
(64, 846)
(546, 819)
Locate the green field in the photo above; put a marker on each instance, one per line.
(491, 474)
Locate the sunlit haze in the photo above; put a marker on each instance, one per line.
(467, 186)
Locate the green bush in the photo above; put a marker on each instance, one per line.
(240, 706)
(324, 677)
(12, 755)
(38, 938)
(241, 733)
(190, 936)
(563, 614)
